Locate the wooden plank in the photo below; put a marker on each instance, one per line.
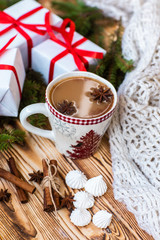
(29, 221)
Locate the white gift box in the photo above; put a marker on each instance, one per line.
(16, 11)
(9, 91)
(43, 53)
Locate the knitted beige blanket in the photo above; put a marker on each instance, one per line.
(135, 129)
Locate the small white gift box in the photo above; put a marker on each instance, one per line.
(12, 76)
(18, 19)
(50, 52)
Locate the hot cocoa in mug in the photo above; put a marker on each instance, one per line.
(79, 106)
(84, 95)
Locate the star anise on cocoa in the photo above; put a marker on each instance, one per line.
(67, 201)
(36, 176)
(4, 195)
(101, 94)
(66, 107)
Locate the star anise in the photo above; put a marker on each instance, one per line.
(67, 201)
(4, 195)
(36, 176)
(101, 94)
(66, 107)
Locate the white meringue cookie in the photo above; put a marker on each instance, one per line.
(80, 217)
(76, 179)
(83, 200)
(102, 219)
(96, 186)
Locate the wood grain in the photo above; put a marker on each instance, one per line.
(29, 221)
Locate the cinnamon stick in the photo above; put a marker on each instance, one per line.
(48, 205)
(17, 181)
(22, 194)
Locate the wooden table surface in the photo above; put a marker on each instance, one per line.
(29, 221)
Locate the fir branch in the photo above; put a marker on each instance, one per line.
(34, 92)
(123, 64)
(7, 138)
(39, 120)
(6, 3)
(114, 66)
(86, 18)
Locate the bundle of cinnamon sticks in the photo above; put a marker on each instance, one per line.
(52, 196)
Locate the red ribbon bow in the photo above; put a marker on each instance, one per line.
(10, 67)
(78, 54)
(17, 24)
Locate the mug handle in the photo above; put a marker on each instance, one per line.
(34, 109)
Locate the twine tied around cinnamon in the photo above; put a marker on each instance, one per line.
(52, 182)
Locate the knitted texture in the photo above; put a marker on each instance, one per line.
(118, 9)
(135, 129)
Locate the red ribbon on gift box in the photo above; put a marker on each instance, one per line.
(19, 25)
(78, 54)
(10, 67)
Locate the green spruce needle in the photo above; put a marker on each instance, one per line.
(86, 18)
(7, 138)
(34, 92)
(6, 3)
(114, 66)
